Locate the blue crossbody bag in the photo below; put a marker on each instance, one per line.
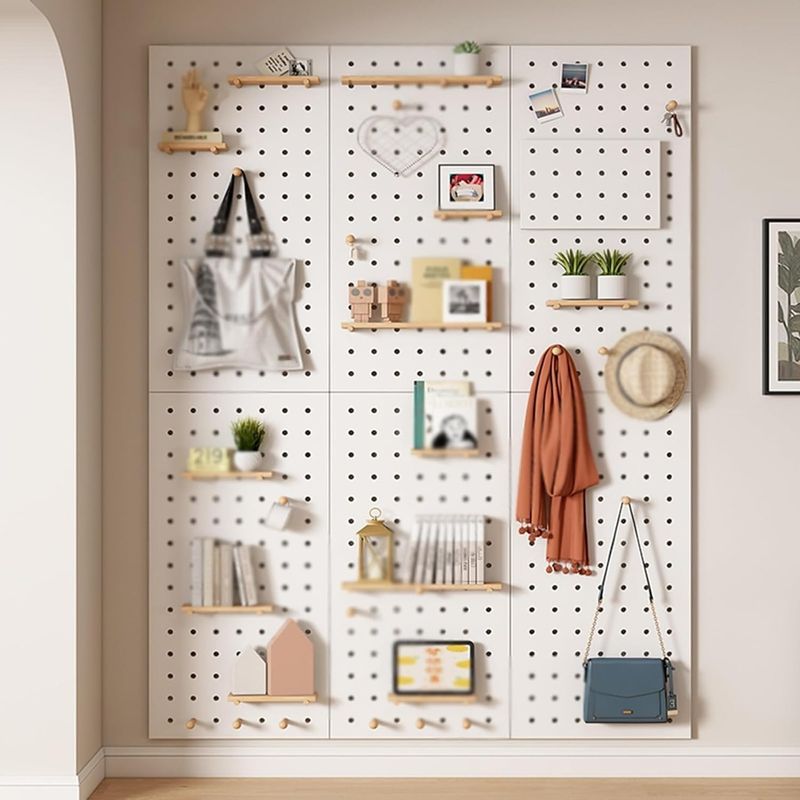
(628, 689)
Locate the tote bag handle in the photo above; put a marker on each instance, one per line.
(626, 503)
(217, 242)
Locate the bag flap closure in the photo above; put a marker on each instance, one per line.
(625, 677)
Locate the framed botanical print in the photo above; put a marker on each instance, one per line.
(781, 345)
(434, 667)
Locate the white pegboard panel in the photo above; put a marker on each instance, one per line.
(585, 185)
(628, 88)
(551, 614)
(374, 467)
(191, 656)
(279, 135)
(392, 217)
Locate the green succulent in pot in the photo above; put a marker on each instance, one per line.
(611, 281)
(575, 283)
(248, 435)
(611, 262)
(466, 59)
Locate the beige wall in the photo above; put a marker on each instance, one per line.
(77, 27)
(746, 165)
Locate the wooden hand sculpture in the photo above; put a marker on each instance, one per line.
(195, 97)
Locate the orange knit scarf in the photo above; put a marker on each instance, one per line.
(556, 464)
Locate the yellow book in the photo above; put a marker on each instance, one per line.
(480, 273)
(427, 275)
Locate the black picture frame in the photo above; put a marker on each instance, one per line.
(769, 279)
(399, 690)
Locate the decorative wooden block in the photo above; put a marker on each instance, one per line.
(249, 673)
(290, 660)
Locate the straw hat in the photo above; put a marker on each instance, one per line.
(646, 374)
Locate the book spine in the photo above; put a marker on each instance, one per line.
(430, 554)
(217, 580)
(208, 572)
(407, 575)
(196, 571)
(480, 575)
(473, 550)
(419, 564)
(237, 569)
(248, 576)
(448, 553)
(419, 415)
(465, 538)
(441, 548)
(457, 560)
(226, 575)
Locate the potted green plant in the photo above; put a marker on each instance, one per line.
(611, 280)
(466, 60)
(575, 283)
(248, 434)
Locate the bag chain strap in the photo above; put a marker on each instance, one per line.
(625, 502)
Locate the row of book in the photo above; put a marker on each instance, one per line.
(445, 550)
(445, 416)
(222, 574)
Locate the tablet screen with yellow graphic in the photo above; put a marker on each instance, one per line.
(434, 667)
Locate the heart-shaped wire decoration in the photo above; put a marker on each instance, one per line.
(400, 145)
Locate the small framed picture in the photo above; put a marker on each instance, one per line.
(781, 342)
(300, 66)
(434, 667)
(574, 78)
(545, 105)
(464, 301)
(466, 186)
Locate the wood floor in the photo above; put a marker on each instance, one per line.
(439, 789)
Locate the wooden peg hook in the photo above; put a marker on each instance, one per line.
(604, 351)
(351, 611)
(237, 723)
(556, 351)
(466, 724)
(626, 501)
(420, 723)
(283, 501)
(191, 724)
(283, 724)
(373, 724)
(237, 171)
(671, 106)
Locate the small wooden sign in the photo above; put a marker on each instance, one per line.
(209, 459)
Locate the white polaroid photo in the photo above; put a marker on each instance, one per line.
(464, 301)
(574, 78)
(545, 105)
(466, 186)
(278, 62)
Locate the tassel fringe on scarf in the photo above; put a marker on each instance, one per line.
(556, 464)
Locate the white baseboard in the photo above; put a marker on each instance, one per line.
(348, 760)
(55, 787)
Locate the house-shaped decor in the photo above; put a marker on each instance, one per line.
(249, 673)
(290, 660)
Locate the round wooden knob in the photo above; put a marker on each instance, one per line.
(671, 105)
(466, 724)
(397, 105)
(626, 501)
(283, 724)
(237, 171)
(350, 239)
(420, 724)
(237, 723)
(351, 611)
(603, 351)
(190, 724)
(283, 501)
(373, 724)
(556, 351)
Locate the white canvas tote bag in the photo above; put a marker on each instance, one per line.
(239, 312)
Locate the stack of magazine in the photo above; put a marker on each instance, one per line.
(445, 416)
(222, 574)
(445, 550)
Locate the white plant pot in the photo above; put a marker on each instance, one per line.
(466, 63)
(611, 287)
(576, 287)
(247, 460)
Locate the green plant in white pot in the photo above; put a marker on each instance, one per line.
(575, 283)
(466, 58)
(248, 434)
(611, 279)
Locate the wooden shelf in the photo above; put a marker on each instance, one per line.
(437, 453)
(192, 147)
(272, 698)
(273, 80)
(226, 476)
(471, 213)
(625, 304)
(419, 588)
(432, 698)
(422, 80)
(422, 326)
(260, 609)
